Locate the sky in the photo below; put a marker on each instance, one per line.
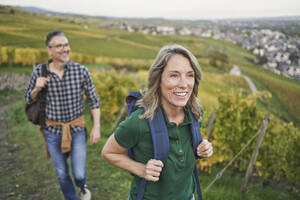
(169, 9)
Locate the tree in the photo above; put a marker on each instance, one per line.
(12, 11)
(294, 57)
(217, 59)
(262, 60)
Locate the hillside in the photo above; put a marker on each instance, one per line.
(20, 29)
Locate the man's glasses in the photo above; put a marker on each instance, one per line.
(60, 46)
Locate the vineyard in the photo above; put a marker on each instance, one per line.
(238, 119)
(119, 61)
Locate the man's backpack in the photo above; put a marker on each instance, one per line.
(160, 139)
(35, 111)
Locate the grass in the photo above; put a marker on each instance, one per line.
(24, 29)
(228, 187)
(14, 69)
(286, 93)
(9, 93)
(31, 176)
(213, 83)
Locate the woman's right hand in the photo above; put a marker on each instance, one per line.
(114, 153)
(152, 170)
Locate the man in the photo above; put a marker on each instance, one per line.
(64, 132)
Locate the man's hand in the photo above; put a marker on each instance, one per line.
(95, 135)
(41, 82)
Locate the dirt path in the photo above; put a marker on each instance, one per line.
(3, 137)
(7, 161)
(235, 71)
(4, 146)
(25, 173)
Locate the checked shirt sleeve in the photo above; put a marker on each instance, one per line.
(30, 86)
(90, 90)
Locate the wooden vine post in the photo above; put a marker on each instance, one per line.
(120, 116)
(255, 154)
(210, 123)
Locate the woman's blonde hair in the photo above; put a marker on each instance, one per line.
(151, 98)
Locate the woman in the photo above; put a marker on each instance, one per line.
(173, 83)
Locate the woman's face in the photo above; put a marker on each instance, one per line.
(177, 82)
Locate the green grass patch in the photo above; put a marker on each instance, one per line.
(228, 187)
(285, 93)
(109, 48)
(213, 83)
(11, 93)
(16, 69)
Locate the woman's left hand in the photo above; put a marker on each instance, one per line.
(205, 149)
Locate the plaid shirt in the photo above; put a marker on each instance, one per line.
(65, 96)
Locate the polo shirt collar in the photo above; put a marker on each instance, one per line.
(187, 117)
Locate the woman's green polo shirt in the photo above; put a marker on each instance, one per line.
(176, 182)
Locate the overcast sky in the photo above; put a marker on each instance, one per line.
(170, 9)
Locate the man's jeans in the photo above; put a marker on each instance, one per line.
(77, 156)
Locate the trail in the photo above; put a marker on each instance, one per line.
(7, 161)
(235, 71)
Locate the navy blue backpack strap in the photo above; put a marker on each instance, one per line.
(142, 188)
(196, 135)
(131, 100)
(196, 140)
(161, 146)
(199, 193)
(160, 137)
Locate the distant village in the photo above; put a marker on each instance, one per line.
(274, 50)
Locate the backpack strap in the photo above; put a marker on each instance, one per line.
(158, 129)
(196, 135)
(131, 100)
(160, 140)
(199, 193)
(196, 140)
(160, 137)
(142, 188)
(43, 96)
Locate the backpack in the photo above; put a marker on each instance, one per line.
(160, 139)
(35, 111)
